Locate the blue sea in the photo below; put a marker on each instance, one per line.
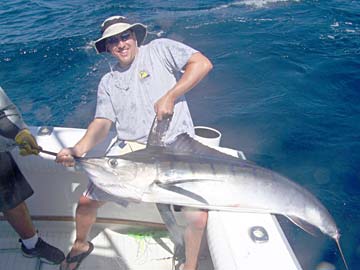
(285, 87)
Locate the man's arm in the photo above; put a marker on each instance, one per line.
(96, 132)
(11, 121)
(13, 127)
(196, 69)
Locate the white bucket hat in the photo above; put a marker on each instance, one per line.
(116, 25)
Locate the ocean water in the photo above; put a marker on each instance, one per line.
(285, 87)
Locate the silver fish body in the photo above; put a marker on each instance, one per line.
(188, 173)
(235, 186)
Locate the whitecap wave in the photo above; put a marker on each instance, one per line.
(254, 3)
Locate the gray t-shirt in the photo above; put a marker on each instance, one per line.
(126, 96)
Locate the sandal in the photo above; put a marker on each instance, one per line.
(78, 258)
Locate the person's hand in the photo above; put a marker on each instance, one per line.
(164, 107)
(27, 143)
(66, 157)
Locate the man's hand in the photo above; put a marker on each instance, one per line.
(27, 143)
(66, 157)
(164, 107)
(95, 133)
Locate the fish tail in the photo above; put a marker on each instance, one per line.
(337, 240)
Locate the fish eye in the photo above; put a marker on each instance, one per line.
(113, 163)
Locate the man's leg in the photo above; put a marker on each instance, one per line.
(196, 224)
(20, 220)
(32, 245)
(14, 190)
(86, 212)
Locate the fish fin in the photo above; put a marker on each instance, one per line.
(182, 191)
(158, 131)
(171, 224)
(184, 146)
(306, 226)
(176, 182)
(337, 240)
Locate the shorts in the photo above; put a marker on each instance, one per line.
(14, 189)
(119, 148)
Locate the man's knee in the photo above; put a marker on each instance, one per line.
(197, 219)
(86, 204)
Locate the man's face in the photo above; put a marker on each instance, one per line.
(123, 46)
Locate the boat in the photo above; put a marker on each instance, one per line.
(135, 237)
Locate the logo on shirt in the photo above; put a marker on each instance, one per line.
(143, 74)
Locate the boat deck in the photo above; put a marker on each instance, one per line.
(120, 247)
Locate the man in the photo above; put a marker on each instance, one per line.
(14, 189)
(145, 82)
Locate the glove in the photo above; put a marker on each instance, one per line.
(27, 143)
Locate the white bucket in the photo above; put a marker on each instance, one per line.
(207, 135)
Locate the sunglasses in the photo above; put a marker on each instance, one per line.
(120, 37)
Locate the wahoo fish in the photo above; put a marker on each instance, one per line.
(188, 173)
